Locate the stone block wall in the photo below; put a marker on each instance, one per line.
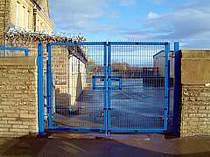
(4, 18)
(195, 102)
(18, 96)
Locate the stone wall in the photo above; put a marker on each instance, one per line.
(195, 102)
(4, 17)
(18, 96)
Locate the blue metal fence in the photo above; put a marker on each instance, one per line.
(108, 86)
(70, 70)
(40, 89)
(14, 50)
(142, 104)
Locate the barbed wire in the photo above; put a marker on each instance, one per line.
(15, 35)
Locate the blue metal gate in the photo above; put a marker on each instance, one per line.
(108, 86)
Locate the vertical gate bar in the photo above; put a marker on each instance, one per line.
(49, 86)
(94, 82)
(166, 98)
(26, 52)
(40, 90)
(169, 86)
(109, 89)
(105, 89)
(177, 83)
(120, 83)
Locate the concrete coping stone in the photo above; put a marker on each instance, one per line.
(195, 67)
(195, 54)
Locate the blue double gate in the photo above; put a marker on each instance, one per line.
(108, 86)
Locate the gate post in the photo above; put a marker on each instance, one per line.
(105, 90)
(167, 88)
(109, 89)
(49, 86)
(40, 89)
(177, 83)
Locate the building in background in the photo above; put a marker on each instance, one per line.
(28, 15)
(159, 63)
(26, 23)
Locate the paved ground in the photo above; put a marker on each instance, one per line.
(93, 145)
(135, 106)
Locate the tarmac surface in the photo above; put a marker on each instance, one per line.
(98, 145)
(134, 107)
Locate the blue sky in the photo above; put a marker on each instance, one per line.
(187, 21)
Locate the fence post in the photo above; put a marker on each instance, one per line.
(49, 86)
(93, 82)
(26, 52)
(109, 89)
(177, 84)
(40, 90)
(167, 89)
(105, 90)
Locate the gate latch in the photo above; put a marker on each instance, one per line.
(113, 82)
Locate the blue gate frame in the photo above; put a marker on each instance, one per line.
(107, 87)
(49, 87)
(167, 87)
(16, 49)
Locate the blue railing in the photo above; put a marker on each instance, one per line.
(17, 49)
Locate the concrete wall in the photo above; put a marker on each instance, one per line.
(18, 96)
(195, 102)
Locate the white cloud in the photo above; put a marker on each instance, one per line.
(152, 15)
(77, 14)
(185, 23)
(189, 24)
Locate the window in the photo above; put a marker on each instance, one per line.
(18, 13)
(26, 19)
(37, 25)
(23, 16)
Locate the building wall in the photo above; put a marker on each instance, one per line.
(195, 102)
(77, 78)
(21, 14)
(159, 62)
(18, 96)
(43, 23)
(25, 14)
(4, 17)
(69, 75)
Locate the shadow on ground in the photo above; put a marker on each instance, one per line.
(66, 146)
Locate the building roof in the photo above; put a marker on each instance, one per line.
(161, 52)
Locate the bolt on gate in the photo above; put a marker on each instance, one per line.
(108, 86)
